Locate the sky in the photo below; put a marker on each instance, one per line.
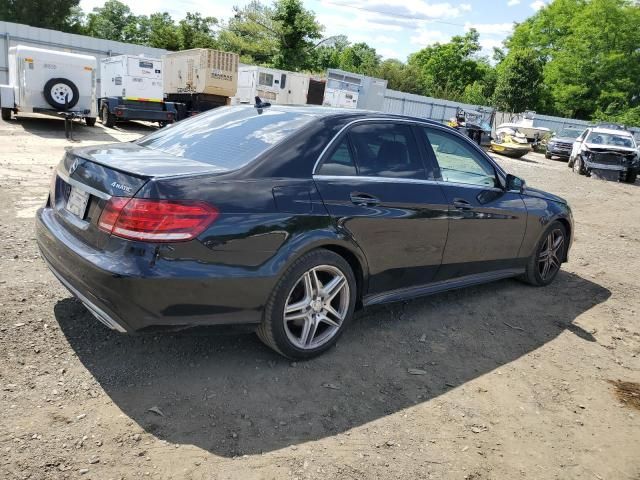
(395, 28)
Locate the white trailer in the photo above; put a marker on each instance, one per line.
(352, 90)
(50, 82)
(271, 85)
(132, 89)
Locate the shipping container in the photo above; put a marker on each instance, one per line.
(49, 82)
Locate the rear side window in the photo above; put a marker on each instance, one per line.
(386, 150)
(227, 137)
(340, 162)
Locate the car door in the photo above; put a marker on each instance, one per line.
(374, 184)
(486, 223)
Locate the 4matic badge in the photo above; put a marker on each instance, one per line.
(119, 186)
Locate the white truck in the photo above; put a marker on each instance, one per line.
(352, 90)
(50, 82)
(200, 78)
(271, 85)
(131, 88)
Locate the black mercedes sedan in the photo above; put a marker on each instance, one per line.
(289, 218)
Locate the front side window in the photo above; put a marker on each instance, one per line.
(458, 162)
(386, 150)
(340, 162)
(265, 79)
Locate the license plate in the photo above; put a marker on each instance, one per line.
(77, 203)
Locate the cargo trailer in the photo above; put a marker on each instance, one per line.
(132, 90)
(274, 86)
(50, 82)
(200, 78)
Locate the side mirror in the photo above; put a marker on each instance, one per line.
(514, 183)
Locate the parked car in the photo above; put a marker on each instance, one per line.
(289, 218)
(606, 149)
(560, 144)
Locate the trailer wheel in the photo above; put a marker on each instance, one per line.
(90, 121)
(6, 114)
(61, 93)
(107, 118)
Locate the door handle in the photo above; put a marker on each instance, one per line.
(462, 204)
(363, 199)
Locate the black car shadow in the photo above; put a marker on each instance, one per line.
(52, 127)
(230, 395)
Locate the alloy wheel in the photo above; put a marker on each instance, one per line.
(550, 254)
(316, 307)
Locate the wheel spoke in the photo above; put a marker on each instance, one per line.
(317, 285)
(545, 269)
(334, 287)
(327, 320)
(330, 310)
(309, 332)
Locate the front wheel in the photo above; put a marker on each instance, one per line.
(6, 114)
(547, 155)
(631, 177)
(107, 118)
(577, 166)
(544, 264)
(310, 306)
(90, 121)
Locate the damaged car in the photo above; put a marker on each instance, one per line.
(606, 150)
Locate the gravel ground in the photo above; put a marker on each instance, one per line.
(515, 381)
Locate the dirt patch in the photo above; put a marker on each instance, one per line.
(627, 392)
(511, 383)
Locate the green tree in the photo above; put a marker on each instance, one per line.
(519, 81)
(112, 21)
(359, 58)
(445, 69)
(196, 31)
(162, 32)
(297, 31)
(399, 76)
(54, 14)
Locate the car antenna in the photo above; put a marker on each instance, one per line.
(260, 104)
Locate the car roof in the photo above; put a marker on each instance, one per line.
(612, 131)
(325, 112)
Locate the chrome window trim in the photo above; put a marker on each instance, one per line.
(361, 178)
(411, 121)
(84, 187)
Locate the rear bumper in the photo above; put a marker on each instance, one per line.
(125, 113)
(129, 292)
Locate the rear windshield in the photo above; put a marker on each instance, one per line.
(227, 137)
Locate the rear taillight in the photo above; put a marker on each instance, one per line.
(156, 220)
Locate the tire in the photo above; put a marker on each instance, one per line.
(535, 273)
(90, 121)
(306, 335)
(6, 114)
(547, 155)
(107, 118)
(56, 89)
(631, 177)
(577, 166)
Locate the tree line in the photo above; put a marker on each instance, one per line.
(573, 58)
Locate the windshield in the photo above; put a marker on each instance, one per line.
(601, 138)
(227, 137)
(570, 133)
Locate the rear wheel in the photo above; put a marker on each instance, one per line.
(310, 306)
(631, 177)
(107, 118)
(6, 114)
(90, 121)
(544, 264)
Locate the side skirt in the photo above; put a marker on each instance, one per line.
(442, 286)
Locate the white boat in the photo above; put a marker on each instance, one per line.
(523, 123)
